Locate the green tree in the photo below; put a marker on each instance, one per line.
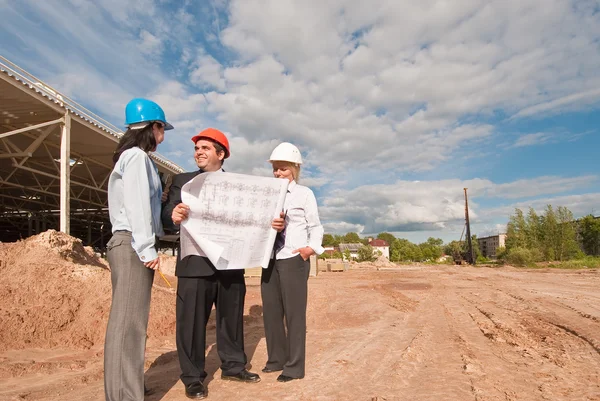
(365, 253)
(549, 233)
(387, 237)
(337, 240)
(346, 255)
(328, 240)
(567, 247)
(431, 249)
(401, 250)
(454, 248)
(516, 230)
(351, 238)
(435, 241)
(589, 232)
(416, 253)
(533, 238)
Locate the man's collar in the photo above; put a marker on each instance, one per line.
(200, 171)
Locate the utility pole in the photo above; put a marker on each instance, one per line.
(470, 258)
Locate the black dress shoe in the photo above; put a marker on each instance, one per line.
(243, 376)
(267, 370)
(284, 378)
(195, 391)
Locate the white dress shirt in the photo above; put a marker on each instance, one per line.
(134, 195)
(303, 227)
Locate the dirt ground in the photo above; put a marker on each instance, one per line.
(403, 333)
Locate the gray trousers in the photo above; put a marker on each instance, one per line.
(128, 322)
(284, 292)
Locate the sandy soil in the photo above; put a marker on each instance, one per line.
(406, 333)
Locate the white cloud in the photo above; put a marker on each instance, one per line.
(407, 206)
(486, 230)
(208, 72)
(369, 91)
(403, 206)
(149, 44)
(332, 82)
(526, 188)
(250, 157)
(343, 227)
(580, 205)
(537, 138)
(313, 182)
(585, 97)
(389, 84)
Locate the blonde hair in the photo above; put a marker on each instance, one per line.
(294, 167)
(295, 171)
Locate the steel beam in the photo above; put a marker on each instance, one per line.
(65, 174)
(31, 127)
(9, 155)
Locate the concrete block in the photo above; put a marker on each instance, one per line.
(313, 266)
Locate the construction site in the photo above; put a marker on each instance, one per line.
(376, 330)
(55, 160)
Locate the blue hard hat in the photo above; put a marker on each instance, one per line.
(140, 110)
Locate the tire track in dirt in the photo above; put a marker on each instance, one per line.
(431, 351)
(350, 352)
(528, 326)
(47, 374)
(422, 333)
(562, 315)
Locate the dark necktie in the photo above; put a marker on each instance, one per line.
(280, 237)
(279, 240)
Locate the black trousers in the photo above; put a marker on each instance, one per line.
(284, 292)
(195, 298)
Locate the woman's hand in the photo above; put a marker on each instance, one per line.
(305, 252)
(279, 223)
(153, 264)
(180, 213)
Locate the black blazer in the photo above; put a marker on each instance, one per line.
(190, 266)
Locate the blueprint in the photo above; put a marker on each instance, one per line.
(230, 218)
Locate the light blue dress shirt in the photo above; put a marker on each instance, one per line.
(134, 201)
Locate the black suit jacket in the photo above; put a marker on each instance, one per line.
(190, 266)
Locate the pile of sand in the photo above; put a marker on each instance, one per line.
(382, 261)
(378, 263)
(54, 292)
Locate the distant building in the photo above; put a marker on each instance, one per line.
(489, 245)
(380, 245)
(352, 248)
(328, 251)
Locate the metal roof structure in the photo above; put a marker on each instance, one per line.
(55, 160)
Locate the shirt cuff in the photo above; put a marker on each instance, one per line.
(148, 255)
(317, 248)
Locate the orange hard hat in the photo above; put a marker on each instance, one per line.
(215, 135)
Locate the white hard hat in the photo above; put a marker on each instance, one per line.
(286, 152)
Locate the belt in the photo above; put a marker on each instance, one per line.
(156, 239)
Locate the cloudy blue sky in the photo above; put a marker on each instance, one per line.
(396, 105)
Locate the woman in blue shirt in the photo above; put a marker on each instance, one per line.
(134, 204)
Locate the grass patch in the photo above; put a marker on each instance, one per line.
(589, 262)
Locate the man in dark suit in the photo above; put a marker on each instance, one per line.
(200, 285)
